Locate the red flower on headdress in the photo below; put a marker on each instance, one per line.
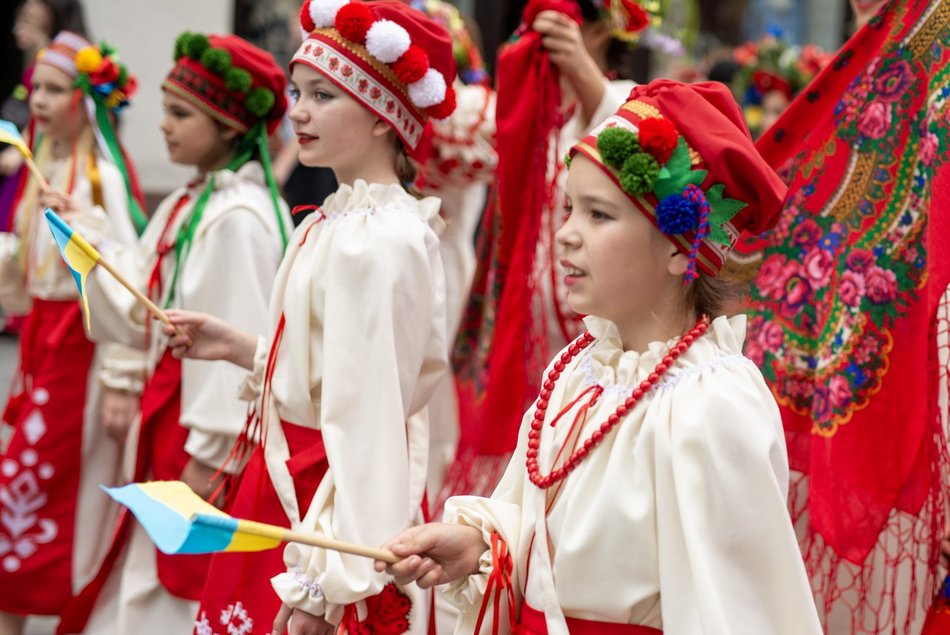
(130, 87)
(658, 137)
(107, 72)
(637, 18)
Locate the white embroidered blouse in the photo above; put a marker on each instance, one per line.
(677, 520)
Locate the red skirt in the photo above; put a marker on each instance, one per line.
(238, 594)
(39, 470)
(532, 622)
(160, 455)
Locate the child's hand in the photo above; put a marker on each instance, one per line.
(297, 622)
(10, 161)
(435, 553)
(63, 204)
(202, 336)
(117, 410)
(198, 476)
(562, 38)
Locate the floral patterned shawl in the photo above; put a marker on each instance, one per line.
(845, 302)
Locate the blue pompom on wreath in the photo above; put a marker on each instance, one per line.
(676, 214)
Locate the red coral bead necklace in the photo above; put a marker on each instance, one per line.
(541, 405)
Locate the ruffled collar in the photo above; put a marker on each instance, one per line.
(608, 364)
(373, 196)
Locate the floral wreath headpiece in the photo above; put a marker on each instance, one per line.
(654, 159)
(628, 19)
(106, 87)
(774, 64)
(392, 58)
(99, 71)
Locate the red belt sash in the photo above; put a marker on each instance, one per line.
(532, 622)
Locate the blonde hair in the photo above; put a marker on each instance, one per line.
(82, 156)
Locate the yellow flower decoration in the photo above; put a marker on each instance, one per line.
(114, 99)
(88, 59)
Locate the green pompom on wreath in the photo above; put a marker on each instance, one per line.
(218, 61)
(616, 145)
(259, 101)
(639, 173)
(237, 80)
(567, 160)
(123, 76)
(195, 45)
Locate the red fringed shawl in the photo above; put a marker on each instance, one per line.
(499, 343)
(844, 310)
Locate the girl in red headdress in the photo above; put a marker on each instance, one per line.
(357, 338)
(44, 554)
(222, 232)
(647, 491)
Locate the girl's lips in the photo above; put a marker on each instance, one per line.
(304, 139)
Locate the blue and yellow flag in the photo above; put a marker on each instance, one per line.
(79, 255)
(10, 134)
(179, 521)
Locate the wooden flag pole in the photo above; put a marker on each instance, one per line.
(35, 169)
(141, 297)
(275, 532)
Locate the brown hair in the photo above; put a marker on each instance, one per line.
(715, 296)
(406, 169)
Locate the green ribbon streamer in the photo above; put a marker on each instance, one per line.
(139, 219)
(255, 141)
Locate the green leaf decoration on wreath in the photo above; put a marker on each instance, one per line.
(723, 211)
(678, 173)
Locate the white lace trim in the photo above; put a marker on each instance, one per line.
(372, 211)
(312, 587)
(669, 380)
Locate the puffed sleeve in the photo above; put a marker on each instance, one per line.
(383, 303)
(728, 558)
(502, 513)
(230, 273)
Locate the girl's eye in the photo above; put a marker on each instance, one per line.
(598, 216)
(567, 209)
(323, 95)
(294, 94)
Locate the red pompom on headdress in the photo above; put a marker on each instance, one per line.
(658, 137)
(353, 21)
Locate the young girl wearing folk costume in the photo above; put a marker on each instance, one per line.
(647, 492)
(45, 546)
(213, 245)
(554, 84)
(357, 339)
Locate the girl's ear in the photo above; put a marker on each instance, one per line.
(678, 262)
(228, 134)
(381, 128)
